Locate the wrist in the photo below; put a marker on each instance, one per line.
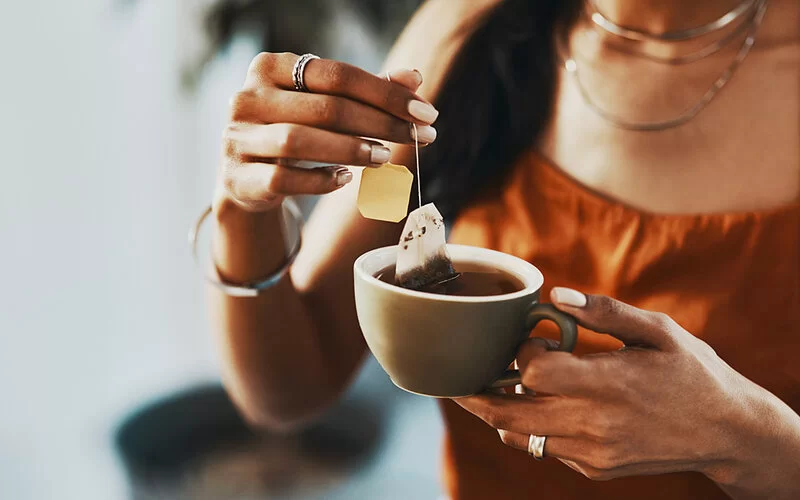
(225, 206)
(246, 244)
(760, 443)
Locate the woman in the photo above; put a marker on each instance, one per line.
(624, 172)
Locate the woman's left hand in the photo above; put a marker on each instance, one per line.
(664, 403)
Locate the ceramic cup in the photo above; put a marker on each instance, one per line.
(447, 345)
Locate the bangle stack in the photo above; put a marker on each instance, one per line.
(251, 289)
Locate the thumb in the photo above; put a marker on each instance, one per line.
(408, 78)
(631, 325)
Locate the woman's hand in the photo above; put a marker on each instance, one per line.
(273, 126)
(664, 403)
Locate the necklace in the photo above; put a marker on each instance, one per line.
(702, 53)
(572, 68)
(672, 36)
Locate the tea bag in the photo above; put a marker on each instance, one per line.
(422, 257)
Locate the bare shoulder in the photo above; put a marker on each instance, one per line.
(433, 36)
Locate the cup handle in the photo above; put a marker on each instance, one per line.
(566, 325)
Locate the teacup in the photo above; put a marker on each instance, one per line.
(446, 345)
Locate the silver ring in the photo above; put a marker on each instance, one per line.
(298, 71)
(536, 446)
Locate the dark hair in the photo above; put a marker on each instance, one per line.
(495, 101)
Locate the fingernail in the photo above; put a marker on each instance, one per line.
(422, 111)
(343, 176)
(392, 75)
(425, 133)
(379, 154)
(567, 297)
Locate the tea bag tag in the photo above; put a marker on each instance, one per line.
(384, 192)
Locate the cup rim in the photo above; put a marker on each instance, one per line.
(529, 274)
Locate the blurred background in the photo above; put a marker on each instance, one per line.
(110, 118)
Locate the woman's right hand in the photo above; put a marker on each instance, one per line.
(272, 126)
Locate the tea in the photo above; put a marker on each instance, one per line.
(474, 280)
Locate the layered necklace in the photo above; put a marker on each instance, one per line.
(752, 10)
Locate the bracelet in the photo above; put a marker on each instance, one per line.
(250, 289)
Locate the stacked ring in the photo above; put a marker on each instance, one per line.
(299, 69)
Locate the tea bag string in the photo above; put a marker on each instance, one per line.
(416, 151)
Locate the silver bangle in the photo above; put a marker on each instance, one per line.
(251, 289)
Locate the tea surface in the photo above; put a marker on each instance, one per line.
(474, 280)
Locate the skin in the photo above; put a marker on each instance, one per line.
(750, 127)
(611, 414)
(309, 319)
(657, 16)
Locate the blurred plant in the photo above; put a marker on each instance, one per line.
(295, 25)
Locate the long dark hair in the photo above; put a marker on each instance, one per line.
(495, 101)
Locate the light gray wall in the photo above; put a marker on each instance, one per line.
(105, 163)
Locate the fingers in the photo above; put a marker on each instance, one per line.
(524, 414)
(275, 129)
(254, 183)
(633, 326)
(553, 372)
(582, 456)
(286, 140)
(564, 448)
(334, 78)
(334, 114)
(554, 446)
(408, 78)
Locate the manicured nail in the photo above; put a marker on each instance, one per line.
(415, 74)
(343, 176)
(567, 297)
(422, 111)
(425, 134)
(379, 155)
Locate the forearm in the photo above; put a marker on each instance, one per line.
(291, 350)
(764, 461)
(273, 362)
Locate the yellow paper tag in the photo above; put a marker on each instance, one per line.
(384, 192)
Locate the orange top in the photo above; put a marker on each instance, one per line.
(731, 279)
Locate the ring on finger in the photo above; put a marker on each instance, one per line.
(536, 446)
(298, 71)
